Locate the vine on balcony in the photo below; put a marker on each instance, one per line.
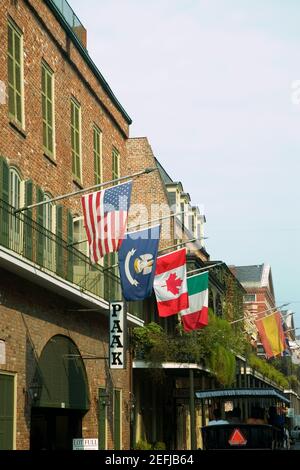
(268, 371)
(214, 347)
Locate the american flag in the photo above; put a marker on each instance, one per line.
(105, 219)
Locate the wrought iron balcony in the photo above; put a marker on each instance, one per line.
(52, 254)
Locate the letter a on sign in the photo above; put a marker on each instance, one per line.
(116, 336)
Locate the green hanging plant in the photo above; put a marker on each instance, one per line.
(150, 343)
(223, 364)
(214, 346)
(268, 371)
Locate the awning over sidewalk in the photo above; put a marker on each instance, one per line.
(243, 392)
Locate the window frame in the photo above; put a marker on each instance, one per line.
(49, 258)
(98, 155)
(49, 72)
(17, 223)
(115, 392)
(249, 301)
(116, 174)
(12, 88)
(82, 247)
(76, 106)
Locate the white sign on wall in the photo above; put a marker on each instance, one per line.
(2, 352)
(116, 336)
(85, 444)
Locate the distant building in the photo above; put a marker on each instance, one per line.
(260, 298)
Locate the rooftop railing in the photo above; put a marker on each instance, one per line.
(68, 13)
(30, 240)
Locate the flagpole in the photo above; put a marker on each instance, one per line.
(160, 251)
(259, 313)
(81, 191)
(205, 268)
(177, 245)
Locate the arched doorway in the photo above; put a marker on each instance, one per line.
(60, 396)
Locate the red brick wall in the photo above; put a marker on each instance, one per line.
(70, 70)
(25, 311)
(46, 314)
(148, 190)
(263, 300)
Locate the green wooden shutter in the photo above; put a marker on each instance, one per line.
(117, 420)
(102, 419)
(40, 241)
(4, 201)
(6, 412)
(70, 239)
(28, 224)
(59, 243)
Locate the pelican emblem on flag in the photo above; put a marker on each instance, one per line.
(137, 263)
(143, 264)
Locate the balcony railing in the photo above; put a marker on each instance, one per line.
(24, 236)
(71, 19)
(68, 13)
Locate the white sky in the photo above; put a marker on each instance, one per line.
(209, 82)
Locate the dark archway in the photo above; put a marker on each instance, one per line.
(60, 396)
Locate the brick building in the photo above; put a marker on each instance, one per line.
(61, 129)
(259, 298)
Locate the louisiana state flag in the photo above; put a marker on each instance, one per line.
(271, 334)
(137, 263)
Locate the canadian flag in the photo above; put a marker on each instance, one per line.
(170, 285)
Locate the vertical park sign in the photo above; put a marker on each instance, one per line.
(117, 336)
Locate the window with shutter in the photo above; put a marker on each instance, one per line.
(172, 199)
(6, 412)
(102, 419)
(116, 171)
(117, 420)
(70, 239)
(16, 225)
(28, 227)
(49, 229)
(4, 201)
(40, 237)
(48, 109)
(15, 73)
(76, 139)
(59, 241)
(111, 284)
(97, 155)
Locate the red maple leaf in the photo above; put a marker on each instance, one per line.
(173, 283)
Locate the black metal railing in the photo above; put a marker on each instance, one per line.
(25, 236)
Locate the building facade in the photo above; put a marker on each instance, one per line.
(61, 129)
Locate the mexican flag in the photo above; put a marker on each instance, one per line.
(196, 317)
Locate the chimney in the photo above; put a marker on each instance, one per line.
(81, 33)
